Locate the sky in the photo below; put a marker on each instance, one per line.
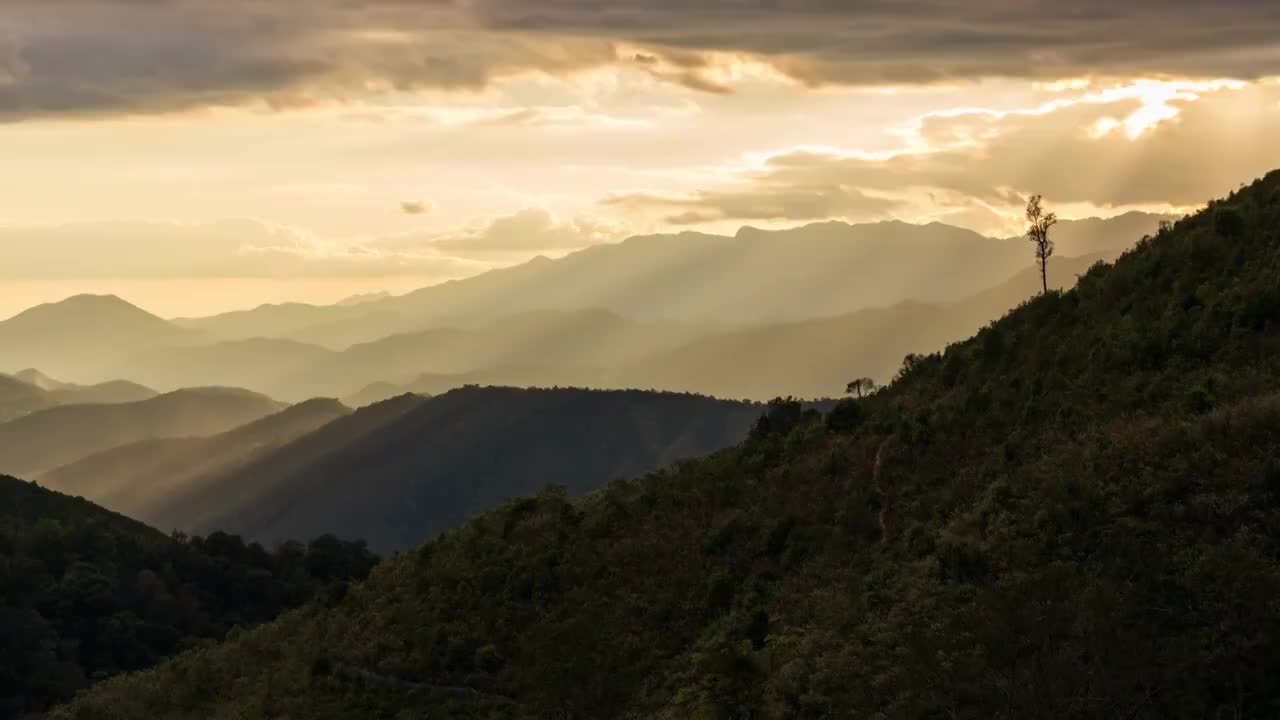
(197, 156)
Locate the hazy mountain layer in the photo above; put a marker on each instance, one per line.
(137, 478)
(30, 390)
(18, 398)
(296, 371)
(810, 358)
(754, 277)
(81, 336)
(56, 436)
(598, 317)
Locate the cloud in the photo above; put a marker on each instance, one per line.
(415, 207)
(226, 249)
(252, 249)
(529, 231)
(94, 57)
(763, 200)
(1161, 146)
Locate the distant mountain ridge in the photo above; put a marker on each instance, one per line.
(808, 358)
(77, 337)
(53, 437)
(30, 390)
(756, 276)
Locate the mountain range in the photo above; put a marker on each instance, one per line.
(635, 314)
(756, 276)
(52, 437)
(29, 390)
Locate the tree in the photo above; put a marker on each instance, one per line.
(1038, 233)
(1228, 223)
(861, 387)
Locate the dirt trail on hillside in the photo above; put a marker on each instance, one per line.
(882, 517)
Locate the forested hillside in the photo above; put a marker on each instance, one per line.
(86, 593)
(1072, 515)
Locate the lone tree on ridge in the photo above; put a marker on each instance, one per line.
(1038, 233)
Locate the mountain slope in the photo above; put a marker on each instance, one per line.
(208, 498)
(287, 369)
(77, 337)
(754, 277)
(466, 451)
(134, 479)
(54, 437)
(86, 593)
(64, 393)
(112, 392)
(29, 390)
(18, 398)
(1073, 514)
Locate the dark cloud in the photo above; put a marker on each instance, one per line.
(145, 56)
(415, 207)
(909, 41)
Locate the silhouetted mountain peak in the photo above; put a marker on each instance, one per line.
(91, 315)
(34, 377)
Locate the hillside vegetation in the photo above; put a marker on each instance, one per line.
(86, 593)
(1074, 514)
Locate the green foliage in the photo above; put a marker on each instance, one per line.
(1074, 515)
(86, 594)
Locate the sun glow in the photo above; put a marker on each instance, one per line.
(1159, 101)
